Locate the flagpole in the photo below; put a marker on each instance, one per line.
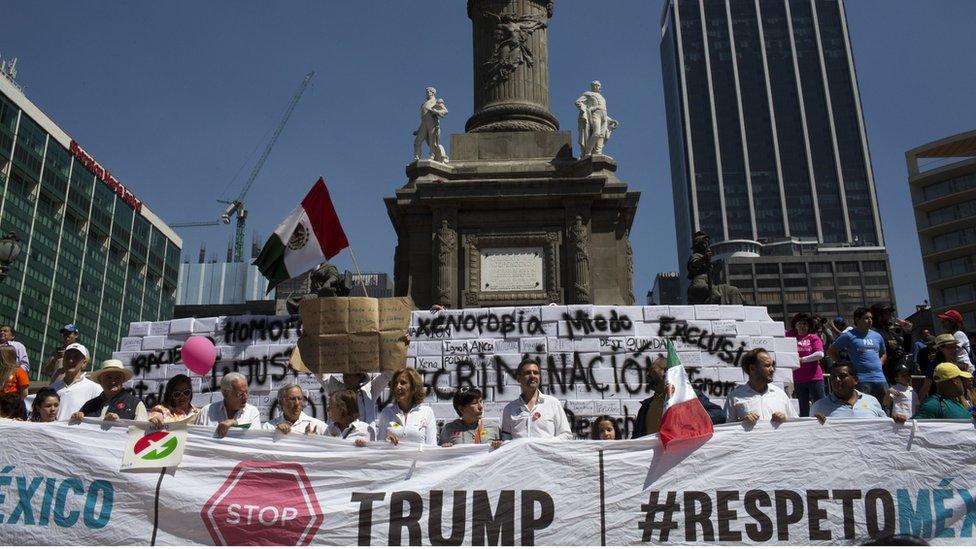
(355, 263)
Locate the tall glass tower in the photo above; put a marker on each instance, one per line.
(768, 148)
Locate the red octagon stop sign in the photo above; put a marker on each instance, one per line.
(263, 503)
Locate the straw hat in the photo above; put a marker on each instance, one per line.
(108, 366)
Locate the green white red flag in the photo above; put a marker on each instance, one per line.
(684, 417)
(308, 236)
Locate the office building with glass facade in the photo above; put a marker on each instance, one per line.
(942, 180)
(91, 252)
(768, 148)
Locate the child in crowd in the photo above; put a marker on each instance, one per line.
(605, 428)
(901, 399)
(45, 406)
(470, 427)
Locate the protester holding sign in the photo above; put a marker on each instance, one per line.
(113, 403)
(949, 389)
(470, 427)
(407, 418)
(291, 400)
(533, 414)
(176, 403)
(758, 399)
(343, 410)
(845, 400)
(75, 389)
(233, 410)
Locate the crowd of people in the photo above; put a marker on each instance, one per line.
(870, 366)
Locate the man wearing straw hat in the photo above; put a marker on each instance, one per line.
(114, 403)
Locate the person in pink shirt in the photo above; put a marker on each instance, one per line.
(808, 385)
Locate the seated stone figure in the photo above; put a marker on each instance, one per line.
(324, 281)
(700, 270)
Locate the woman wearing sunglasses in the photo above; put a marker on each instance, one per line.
(176, 404)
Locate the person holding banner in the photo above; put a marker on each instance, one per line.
(407, 418)
(648, 420)
(176, 403)
(44, 409)
(75, 389)
(291, 400)
(758, 399)
(233, 410)
(113, 403)
(470, 427)
(344, 423)
(845, 400)
(367, 388)
(533, 414)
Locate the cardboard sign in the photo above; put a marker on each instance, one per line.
(353, 334)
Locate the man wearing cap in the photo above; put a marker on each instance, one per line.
(7, 335)
(114, 403)
(75, 389)
(844, 400)
(55, 365)
(952, 323)
(949, 388)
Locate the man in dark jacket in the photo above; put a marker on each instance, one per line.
(651, 409)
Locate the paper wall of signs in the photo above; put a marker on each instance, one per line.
(798, 483)
(594, 358)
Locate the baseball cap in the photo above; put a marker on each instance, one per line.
(944, 339)
(902, 369)
(78, 347)
(69, 328)
(947, 371)
(952, 315)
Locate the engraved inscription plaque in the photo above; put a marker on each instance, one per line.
(512, 269)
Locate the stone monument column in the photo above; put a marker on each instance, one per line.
(511, 66)
(445, 246)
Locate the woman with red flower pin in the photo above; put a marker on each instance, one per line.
(114, 403)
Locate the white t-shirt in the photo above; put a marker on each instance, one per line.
(906, 401)
(299, 426)
(962, 351)
(74, 396)
(356, 429)
(744, 400)
(214, 413)
(418, 425)
(546, 419)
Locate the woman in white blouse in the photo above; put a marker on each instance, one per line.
(407, 418)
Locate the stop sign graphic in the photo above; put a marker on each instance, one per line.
(263, 503)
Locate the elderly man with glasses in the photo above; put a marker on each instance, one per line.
(233, 410)
(291, 401)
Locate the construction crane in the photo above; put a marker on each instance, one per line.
(236, 207)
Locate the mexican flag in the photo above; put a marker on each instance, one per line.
(308, 236)
(684, 417)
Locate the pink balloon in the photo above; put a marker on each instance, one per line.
(199, 354)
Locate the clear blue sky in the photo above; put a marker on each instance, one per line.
(177, 99)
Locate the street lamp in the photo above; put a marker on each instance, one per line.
(9, 250)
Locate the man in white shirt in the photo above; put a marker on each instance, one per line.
(291, 400)
(7, 335)
(233, 410)
(75, 389)
(758, 399)
(533, 414)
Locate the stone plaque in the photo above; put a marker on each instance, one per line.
(512, 269)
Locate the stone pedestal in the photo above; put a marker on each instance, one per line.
(514, 219)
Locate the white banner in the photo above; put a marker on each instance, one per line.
(798, 483)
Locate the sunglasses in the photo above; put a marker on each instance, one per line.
(184, 393)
